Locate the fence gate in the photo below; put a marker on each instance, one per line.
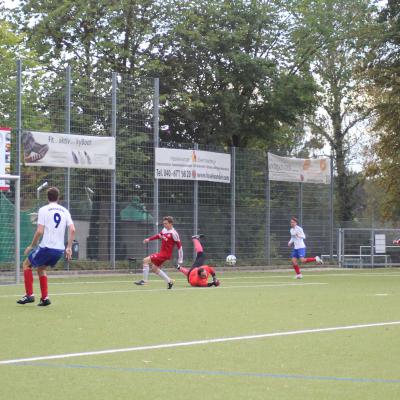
(368, 247)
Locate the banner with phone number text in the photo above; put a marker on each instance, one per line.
(192, 165)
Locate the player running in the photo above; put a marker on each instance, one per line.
(199, 273)
(297, 237)
(53, 220)
(169, 239)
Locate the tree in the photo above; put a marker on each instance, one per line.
(383, 72)
(333, 37)
(12, 47)
(226, 74)
(96, 38)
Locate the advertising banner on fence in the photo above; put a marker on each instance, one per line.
(68, 151)
(5, 151)
(192, 165)
(299, 169)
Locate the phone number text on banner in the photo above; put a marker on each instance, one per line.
(192, 165)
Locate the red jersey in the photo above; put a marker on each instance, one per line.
(196, 280)
(169, 238)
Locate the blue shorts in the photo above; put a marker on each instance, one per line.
(43, 256)
(299, 253)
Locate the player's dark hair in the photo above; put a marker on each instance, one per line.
(169, 219)
(200, 271)
(52, 194)
(295, 220)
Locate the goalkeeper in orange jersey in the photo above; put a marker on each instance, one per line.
(199, 273)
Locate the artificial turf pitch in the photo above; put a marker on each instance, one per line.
(260, 335)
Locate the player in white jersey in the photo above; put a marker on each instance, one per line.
(297, 237)
(53, 220)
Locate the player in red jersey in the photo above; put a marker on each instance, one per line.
(169, 239)
(396, 241)
(199, 273)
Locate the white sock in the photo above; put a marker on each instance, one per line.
(164, 276)
(146, 269)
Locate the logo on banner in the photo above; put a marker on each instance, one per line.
(68, 151)
(290, 169)
(5, 157)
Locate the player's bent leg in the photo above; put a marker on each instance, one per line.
(28, 282)
(197, 245)
(184, 270)
(318, 259)
(44, 300)
(305, 260)
(146, 270)
(163, 275)
(296, 268)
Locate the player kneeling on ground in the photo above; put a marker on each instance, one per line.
(199, 273)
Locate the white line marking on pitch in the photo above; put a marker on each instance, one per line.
(257, 274)
(294, 284)
(198, 342)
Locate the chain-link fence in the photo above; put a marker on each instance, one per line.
(11, 218)
(114, 211)
(368, 247)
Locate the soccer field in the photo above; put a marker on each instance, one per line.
(333, 335)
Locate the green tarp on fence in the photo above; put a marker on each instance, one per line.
(7, 231)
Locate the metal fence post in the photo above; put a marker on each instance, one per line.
(114, 171)
(17, 229)
(156, 143)
(18, 119)
(268, 217)
(195, 203)
(331, 216)
(372, 247)
(300, 204)
(233, 201)
(67, 131)
(67, 177)
(339, 247)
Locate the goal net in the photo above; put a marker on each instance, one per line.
(10, 251)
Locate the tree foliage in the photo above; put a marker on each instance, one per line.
(335, 35)
(384, 71)
(12, 47)
(226, 74)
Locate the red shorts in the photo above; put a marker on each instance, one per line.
(158, 259)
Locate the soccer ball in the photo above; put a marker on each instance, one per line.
(231, 259)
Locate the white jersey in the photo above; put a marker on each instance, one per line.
(55, 219)
(297, 237)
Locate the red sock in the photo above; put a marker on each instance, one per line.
(184, 270)
(297, 269)
(28, 280)
(197, 245)
(43, 286)
(310, 259)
